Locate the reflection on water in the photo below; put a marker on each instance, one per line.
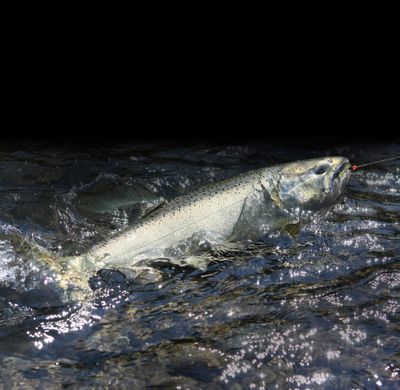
(315, 308)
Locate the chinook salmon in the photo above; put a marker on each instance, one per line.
(261, 200)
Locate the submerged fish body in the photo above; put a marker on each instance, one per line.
(271, 197)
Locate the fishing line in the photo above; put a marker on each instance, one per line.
(355, 167)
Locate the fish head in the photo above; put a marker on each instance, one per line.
(312, 184)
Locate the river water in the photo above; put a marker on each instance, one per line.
(316, 308)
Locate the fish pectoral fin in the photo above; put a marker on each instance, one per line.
(192, 261)
(142, 274)
(256, 212)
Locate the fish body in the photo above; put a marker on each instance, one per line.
(213, 210)
(265, 199)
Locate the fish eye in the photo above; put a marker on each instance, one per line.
(321, 170)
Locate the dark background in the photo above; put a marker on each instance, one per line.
(192, 133)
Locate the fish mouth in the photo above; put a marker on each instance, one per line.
(341, 170)
(338, 179)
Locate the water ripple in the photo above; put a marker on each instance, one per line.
(318, 308)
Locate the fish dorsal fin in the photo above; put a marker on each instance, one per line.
(108, 193)
(127, 216)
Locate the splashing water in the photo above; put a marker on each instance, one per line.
(317, 308)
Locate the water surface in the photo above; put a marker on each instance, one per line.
(318, 308)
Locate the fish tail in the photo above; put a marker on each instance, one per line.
(75, 272)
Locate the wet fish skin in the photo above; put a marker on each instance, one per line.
(272, 196)
(214, 209)
(217, 209)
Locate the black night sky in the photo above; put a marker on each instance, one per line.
(192, 133)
